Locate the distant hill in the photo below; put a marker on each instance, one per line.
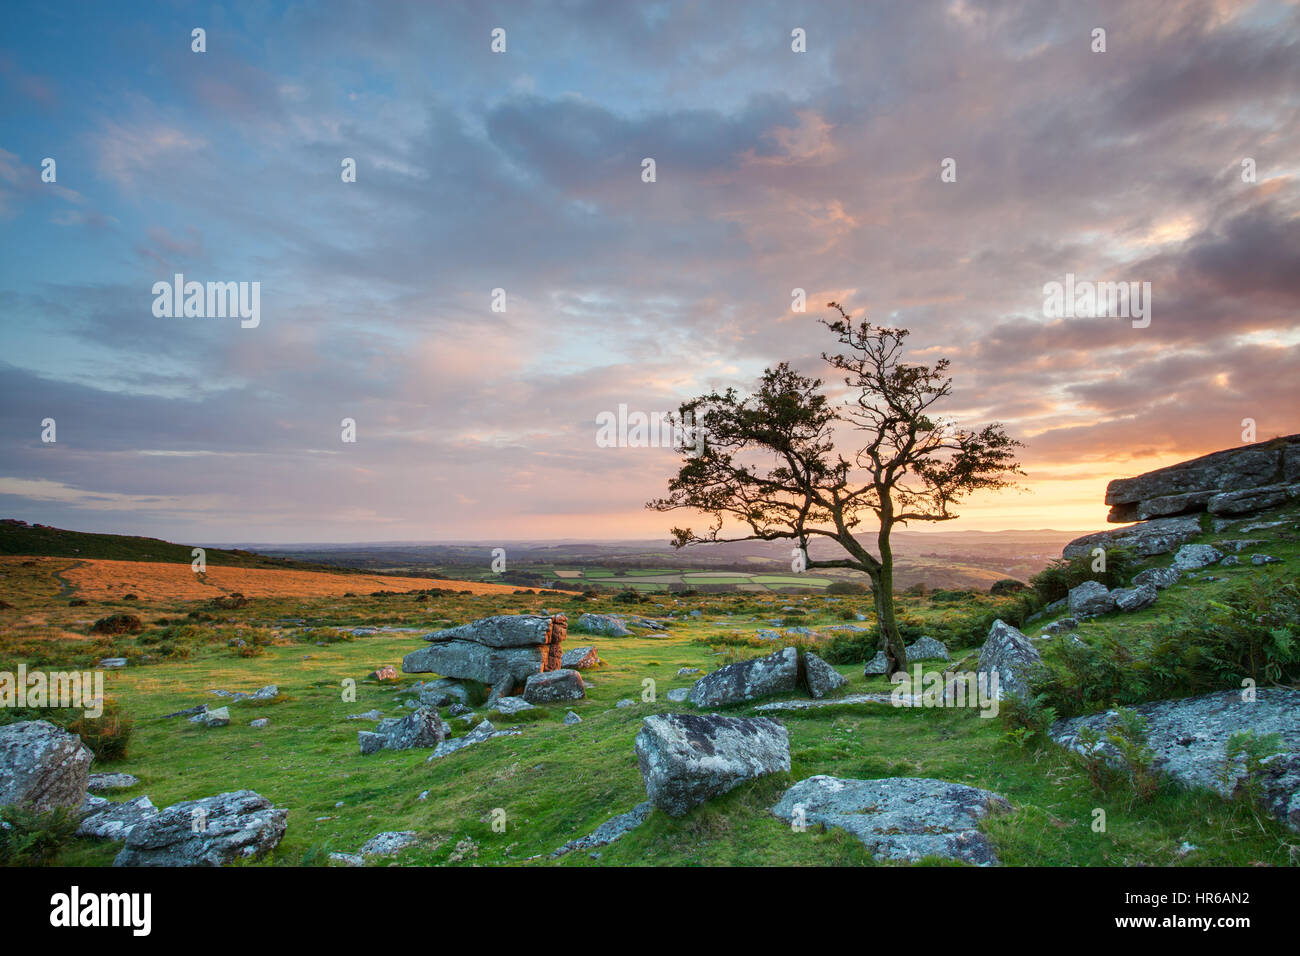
(21, 538)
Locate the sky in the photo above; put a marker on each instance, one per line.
(774, 170)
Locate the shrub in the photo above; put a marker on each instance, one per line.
(108, 735)
(846, 587)
(1054, 581)
(853, 647)
(1251, 631)
(1008, 586)
(1126, 739)
(117, 624)
(34, 839)
(230, 602)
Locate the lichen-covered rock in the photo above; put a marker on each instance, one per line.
(927, 649)
(507, 646)
(102, 782)
(1090, 599)
(103, 819)
(609, 831)
(606, 624)
(1157, 536)
(746, 680)
(1134, 599)
(1189, 737)
(42, 767)
(899, 818)
(687, 759)
(580, 658)
(819, 677)
(420, 728)
(1063, 626)
(220, 717)
(509, 706)
(1190, 557)
(1249, 500)
(212, 831)
(1237, 471)
(1159, 578)
(1010, 655)
(386, 844)
(554, 686)
(877, 665)
(484, 731)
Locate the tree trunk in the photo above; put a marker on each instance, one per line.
(891, 642)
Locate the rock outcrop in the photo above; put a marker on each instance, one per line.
(819, 677)
(580, 658)
(1090, 599)
(1010, 655)
(1189, 737)
(1158, 536)
(609, 831)
(212, 831)
(420, 728)
(492, 649)
(609, 625)
(1233, 481)
(899, 818)
(687, 759)
(746, 680)
(42, 767)
(554, 686)
(103, 819)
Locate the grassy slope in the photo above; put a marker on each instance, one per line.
(56, 542)
(556, 782)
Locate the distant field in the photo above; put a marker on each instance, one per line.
(152, 581)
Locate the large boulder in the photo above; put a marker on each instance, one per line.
(1134, 599)
(927, 649)
(1159, 578)
(212, 831)
(687, 759)
(745, 680)
(877, 665)
(1189, 738)
(580, 658)
(1191, 557)
(103, 819)
(554, 686)
(1157, 536)
(422, 727)
(103, 782)
(899, 818)
(1010, 655)
(42, 767)
(513, 646)
(1090, 599)
(606, 624)
(1191, 486)
(819, 677)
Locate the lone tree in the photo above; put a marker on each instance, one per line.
(770, 465)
